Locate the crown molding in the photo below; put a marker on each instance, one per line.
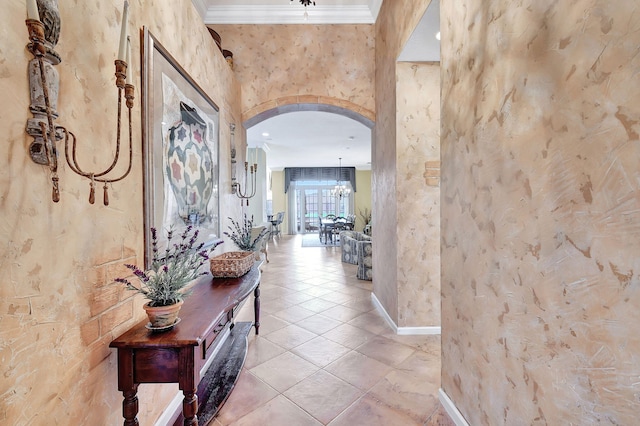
(201, 6)
(288, 14)
(375, 8)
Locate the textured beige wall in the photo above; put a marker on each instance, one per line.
(59, 307)
(541, 211)
(395, 24)
(418, 193)
(277, 62)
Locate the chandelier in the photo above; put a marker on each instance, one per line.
(305, 3)
(340, 190)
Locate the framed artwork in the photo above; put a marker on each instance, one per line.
(180, 142)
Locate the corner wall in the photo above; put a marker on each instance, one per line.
(541, 211)
(418, 193)
(395, 24)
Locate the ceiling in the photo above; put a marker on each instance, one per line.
(300, 138)
(312, 139)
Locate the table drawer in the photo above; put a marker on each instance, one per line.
(211, 337)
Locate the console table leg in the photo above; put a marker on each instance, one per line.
(130, 407)
(256, 308)
(190, 408)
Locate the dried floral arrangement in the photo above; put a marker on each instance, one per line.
(171, 270)
(241, 234)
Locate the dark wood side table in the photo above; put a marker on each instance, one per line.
(178, 355)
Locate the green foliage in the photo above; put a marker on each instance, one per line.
(365, 215)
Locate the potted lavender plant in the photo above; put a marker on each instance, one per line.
(242, 236)
(170, 271)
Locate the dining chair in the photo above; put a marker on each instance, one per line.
(275, 224)
(340, 224)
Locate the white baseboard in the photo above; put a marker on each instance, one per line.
(412, 331)
(167, 414)
(176, 403)
(451, 409)
(383, 312)
(405, 331)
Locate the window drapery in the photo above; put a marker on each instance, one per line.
(319, 174)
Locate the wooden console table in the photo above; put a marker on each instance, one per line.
(178, 355)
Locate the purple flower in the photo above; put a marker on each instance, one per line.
(140, 274)
(177, 265)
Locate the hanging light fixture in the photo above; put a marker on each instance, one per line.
(305, 3)
(340, 190)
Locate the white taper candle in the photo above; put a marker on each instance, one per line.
(122, 51)
(129, 64)
(32, 10)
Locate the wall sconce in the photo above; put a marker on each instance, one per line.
(43, 24)
(250, 173)
(232, 128)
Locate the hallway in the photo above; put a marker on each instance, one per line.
(325, 356)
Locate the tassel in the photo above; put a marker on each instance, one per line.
(55, 191)
(92, 191)
(106, 195)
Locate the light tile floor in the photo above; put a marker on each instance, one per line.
(324, 355)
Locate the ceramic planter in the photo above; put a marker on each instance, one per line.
(162, 317)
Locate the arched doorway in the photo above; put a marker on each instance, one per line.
(314, 145)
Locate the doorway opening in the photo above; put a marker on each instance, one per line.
(311, 201)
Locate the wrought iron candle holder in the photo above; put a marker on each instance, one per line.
(44, 84)
(250, 174)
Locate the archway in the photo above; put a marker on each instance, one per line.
(307, 103)
(276, 199)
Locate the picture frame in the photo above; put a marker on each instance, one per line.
(180, 140)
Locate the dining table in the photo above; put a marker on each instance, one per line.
(326, 230)
(329, 226)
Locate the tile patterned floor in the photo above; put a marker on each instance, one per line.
(325, 356)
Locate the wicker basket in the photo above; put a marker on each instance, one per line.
(232, 264)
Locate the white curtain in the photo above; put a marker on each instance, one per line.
(291, 209)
